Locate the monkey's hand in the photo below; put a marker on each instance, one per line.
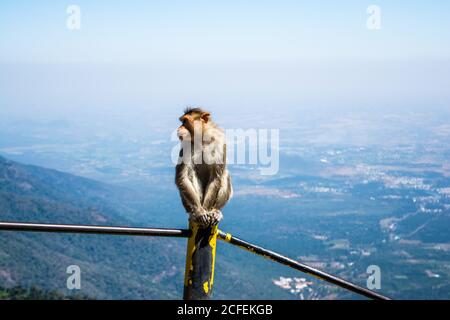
(215, 216)
(201, 218)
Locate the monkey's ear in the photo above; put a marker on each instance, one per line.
(206, 116)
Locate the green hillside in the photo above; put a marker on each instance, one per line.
(112, 267)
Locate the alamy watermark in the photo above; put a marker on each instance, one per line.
(74, 280)
(374, 279)
(255, 147)
(73, 21)
(374, 19)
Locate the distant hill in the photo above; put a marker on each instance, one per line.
(111, 266)
(36, 189)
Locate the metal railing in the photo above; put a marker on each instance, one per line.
(200, 258)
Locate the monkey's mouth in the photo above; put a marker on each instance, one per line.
(183, 135)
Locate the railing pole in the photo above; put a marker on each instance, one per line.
(201, 253)
(200, 259)
(110, 230)
(300, 266)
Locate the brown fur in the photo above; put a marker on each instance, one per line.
(202, 177)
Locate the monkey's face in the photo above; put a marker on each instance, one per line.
(192, 123)
(185, 132)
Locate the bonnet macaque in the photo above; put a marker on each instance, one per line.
(201, 174)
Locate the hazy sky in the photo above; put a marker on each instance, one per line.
(136, 31)
(145, 54)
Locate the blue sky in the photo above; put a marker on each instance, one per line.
(149, 31)
(148, 55)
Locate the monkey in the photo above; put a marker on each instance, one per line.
(201, 175)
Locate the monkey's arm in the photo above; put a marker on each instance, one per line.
(218, 191)
(189, 195)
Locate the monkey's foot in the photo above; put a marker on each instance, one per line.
(214, 217)
(201, 219)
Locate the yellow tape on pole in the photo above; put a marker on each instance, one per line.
(200, 260)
